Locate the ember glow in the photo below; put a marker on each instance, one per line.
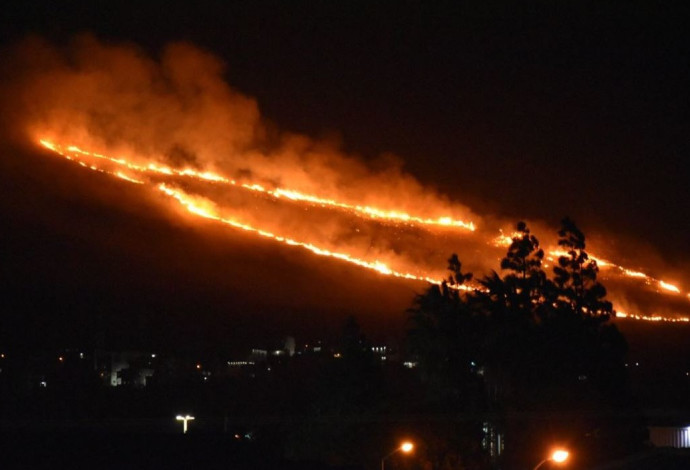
(172, 125)
(359, 210)
(652, 318)
(554, 254)
(208, 209)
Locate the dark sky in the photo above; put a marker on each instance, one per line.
(534, 110)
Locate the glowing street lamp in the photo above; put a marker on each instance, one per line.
(559, 456)
(184, 420)
(406, 447)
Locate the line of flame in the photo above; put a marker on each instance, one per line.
(652, 318)
(649, 280)
(206, 209)
(362, 211)
(505, 240)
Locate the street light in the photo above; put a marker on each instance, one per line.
(559, 456)
(184, 420)
(406, 447)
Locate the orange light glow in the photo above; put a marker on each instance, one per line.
(669, 287)
(554, 254)
(560, 456)
(206, 209)
(150, 174)
(360, 210)
(652, 318)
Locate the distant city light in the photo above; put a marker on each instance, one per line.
(560, 456)
(406, 447)
(240, 363)
(184, 420)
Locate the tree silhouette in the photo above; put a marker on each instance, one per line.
(524, 255)
(576, 276)
(525, 290)
(526, 340)
(444, 337)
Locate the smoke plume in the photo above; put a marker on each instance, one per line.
(176, 111)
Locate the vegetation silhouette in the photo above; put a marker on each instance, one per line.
(531, 355)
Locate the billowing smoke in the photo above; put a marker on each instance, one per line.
(176, 111)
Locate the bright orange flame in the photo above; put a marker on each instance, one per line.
(207, 209)
(652, 318)
(631, 273)
(204, 208)
(362, 211)
(669, 287)
(504, 240)
(125, 177)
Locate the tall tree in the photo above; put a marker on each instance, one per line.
(576, 276)
(515, 303)
(537, 343)
(582, 297)
(444, 337)
(525, 286)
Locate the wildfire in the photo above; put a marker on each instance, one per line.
(652, 318)
(504, 240)
(669, 287)
(360, 210)
(207, 209)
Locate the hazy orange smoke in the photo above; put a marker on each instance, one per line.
(173, 124)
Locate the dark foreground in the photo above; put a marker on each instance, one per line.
(101, 450)
(104, 450)
(653, 459)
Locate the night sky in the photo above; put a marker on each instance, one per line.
(532, 112)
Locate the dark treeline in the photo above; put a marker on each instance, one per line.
(536, 353)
